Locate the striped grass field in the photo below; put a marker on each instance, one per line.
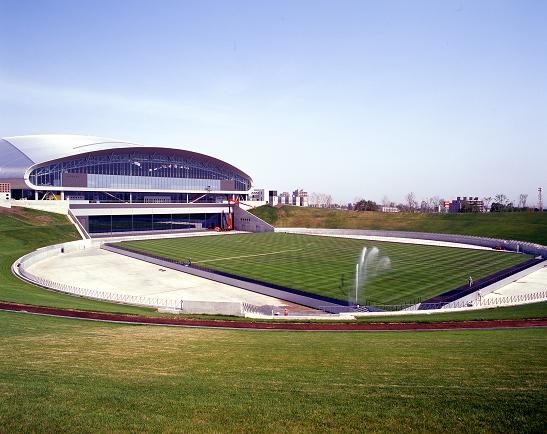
(325, 265)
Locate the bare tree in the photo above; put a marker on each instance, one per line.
(313, 199)
(386, 201)
(487, 201)
(433, 203)
(522, 200)
(501, 198)
(320, 200)
(411, 201)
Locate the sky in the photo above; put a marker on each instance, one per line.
(357, 99)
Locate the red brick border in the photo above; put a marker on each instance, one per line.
(279, 325)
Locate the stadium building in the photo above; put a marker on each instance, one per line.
(114, 187)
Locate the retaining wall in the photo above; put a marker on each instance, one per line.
(55, 206)
(213, 307)
(245, 221)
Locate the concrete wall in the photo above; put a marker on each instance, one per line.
(55, 206)
(245, 221)
(213, 307)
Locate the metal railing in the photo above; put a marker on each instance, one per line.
(511, 299)
(139, 300)
(115, 297)
(478, 302)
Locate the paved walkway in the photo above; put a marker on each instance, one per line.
(529, 284)
(94, 268)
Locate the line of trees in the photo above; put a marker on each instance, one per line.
(498, 203)
(502, 204)
(321, 200)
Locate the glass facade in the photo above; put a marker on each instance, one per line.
(151, 222)
(137, 170)
(143, 197)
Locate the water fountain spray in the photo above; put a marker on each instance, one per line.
(368, 266)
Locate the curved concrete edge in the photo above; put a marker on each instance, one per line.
(56, 249)
(164, 304)
(469, 240)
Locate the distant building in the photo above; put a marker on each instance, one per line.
(285, 198)
(300, 198)
(257, 194)
(296, 198)
(466, 204)
(5, 191)
(273, 198)
(389, 209)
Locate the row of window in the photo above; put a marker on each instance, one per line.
(151, 222)
(140, 182)
(147, 170)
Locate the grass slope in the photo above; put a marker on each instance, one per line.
(23, 230)
(523, 226)
(316, 264)
(75, 376)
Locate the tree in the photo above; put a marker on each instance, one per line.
(467, 206)
(411, 201)
(502, 207)
(366, 205)
(313, 199)
(497, 207)
(487, 201)
(433, 203)
(501, 198)
(522, 200)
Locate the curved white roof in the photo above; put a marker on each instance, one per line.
(20, 152)
(46, 147)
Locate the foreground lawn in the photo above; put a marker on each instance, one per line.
(523, 226)
(525, 311)
(325, 265)
(79, 376)
(24, 230)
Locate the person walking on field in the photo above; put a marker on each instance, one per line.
(470, 281)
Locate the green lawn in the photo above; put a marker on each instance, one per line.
(523, 226)
(79, 376)
(524, 311)
(24, 230)
(317, 264)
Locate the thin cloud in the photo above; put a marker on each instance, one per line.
(56, 96)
